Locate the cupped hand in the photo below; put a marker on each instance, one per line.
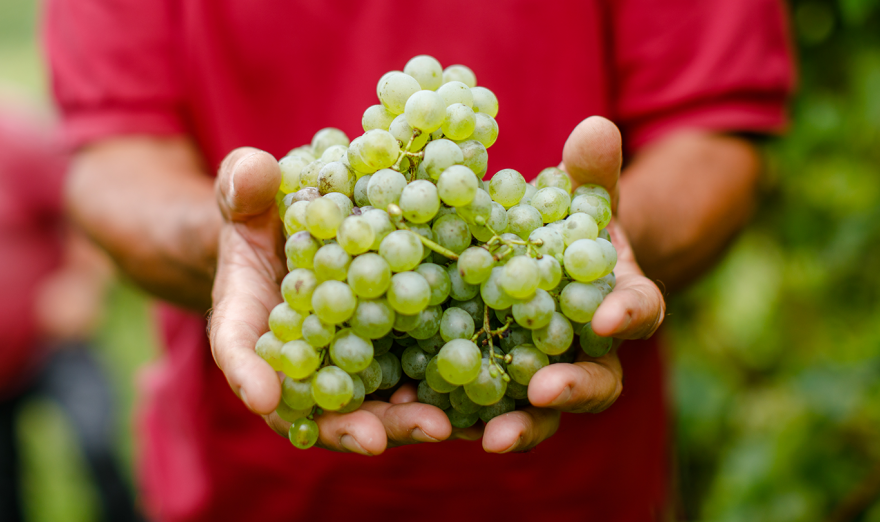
(250, 267)
(633, 310)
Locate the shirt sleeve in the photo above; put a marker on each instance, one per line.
(714, 64)
(113, 68)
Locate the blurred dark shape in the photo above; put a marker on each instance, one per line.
(51, 288)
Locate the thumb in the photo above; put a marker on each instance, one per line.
(247, 183)
(593, 154)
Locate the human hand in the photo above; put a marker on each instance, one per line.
(250, 267)
(633, 310)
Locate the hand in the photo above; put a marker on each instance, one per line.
(634, 310)
(249, 268)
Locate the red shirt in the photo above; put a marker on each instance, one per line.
(270, 74)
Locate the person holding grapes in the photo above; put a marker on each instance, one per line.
(158, 96)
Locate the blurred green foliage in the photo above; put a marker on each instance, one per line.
(777, 352)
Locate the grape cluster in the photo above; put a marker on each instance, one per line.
(405, 264)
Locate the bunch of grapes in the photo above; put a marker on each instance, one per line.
(404, 264)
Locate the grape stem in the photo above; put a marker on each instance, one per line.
(397, 218)
(405, 152)
(487, 328)
(530, 244)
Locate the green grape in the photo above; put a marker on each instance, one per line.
(391, 372)
(549, 273)
(595, 190)
(459, 289)
(592, 344)
(405, 323)
(579, 226)
(527, 197)
(305, 194)
(492, 293)
(478, 210)
(426, 70)
(485, 129)
(609, 280)
(456, 324)
(429, 323)
(385, 188)
(610, 255)
(451, 232)
(357, 396)
(553, 177)
(427, 395)
(373, 318)
(289, 414)
(556, 337)
(342, 201)
(551, 241)
(295, 216)
(474, 157)
(497, 222)
(285, 322)
(517, 250)
(355, 158)
(473, 306)
(323, 217)
(515, 336)
(454, 92)
(395, 89)
(435, 380)
(579, 301)
(414, 362)
(535, 313)
(331, 262)
(402, 132)
(304, 151)
(504, 405)
(402, 250)
(488, 387)
(437, 279)
(300, 249)
(377, 117)
(336, 177)
(525, 362)
(382, 345)
(299, 359)
(326, 138)
(409, 293)
(333, 302)
(379, 149)
(475, 265)
(462, 403)
(369, 275)
(552, 203)
(425, 110)
(457, 186)
(460, 73)
(361, 198)
(269, 349)
(381, 225)
(316, 333)
(297, 394)
(308, 176)
(485, 101)
(439, 156)
(516, 390)
(596, 206)
(459, 123)
(585, 260)
(523, 219)
(332, 388)
(459, 361)
(503, 315)
(461, 420)
(419, 201)
(297, 288)
(291, 167)
(355, 235)
(507, 187)
(519, 277)
(371, 377)
(432, 344)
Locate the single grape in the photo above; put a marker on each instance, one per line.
(475, 265)
(385, 188)
(535, 313)
(342, 201)
(377, 117)
(332, 388)
(301, 247)
(556, 337)
(333, 302)
(380, 223)
(592, 344)
(579, 226)
(289, 414)
(297, 394)
(527, 197)
(596, 206)
(373, 318)
(308, 176)
(461, 420)
(395, 89)
(551, 241)
(391, 371)
(297, 288)
(610, 255)
(460, 73)
(425, 110)
(454, 92)
(516, 390)
(357, 396)
(492, 293)
(285, 322)
(485, 101)
(427, 395)
(414, 362)
(291, 167)
(459, 361)
(382, 345)
(515, 336)
(331, 262)
(402, 250)
(336, 178)
(355, 235)
(459, 289)
(303, 433)
(269, 349)
(299, 359)
(474, 156)
(439, 156)
(579, 301)
(326, 138)
(295, 217)
(497, 222)
(456, 324)
(462, 403)
(435, 380)
(460, 122)
(507, 187)
(323, 218)
(403, 132)
(585, 260)
(426, 70)
(419, 201)
(552, 203)
(523, 219)
(474, 307)
(457, 186)
(371, 377)
(451, 232)
(409, 293)
(317, 333)
(553, 177)
(488, 387)
(478, 210)
(369, 275)
(504, 405)
(437, 279)
(520, 277)
(432, 344)
(595, 190)
(549, 273)
(361, 198)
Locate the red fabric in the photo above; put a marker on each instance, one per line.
(270, 75)
(31, 170)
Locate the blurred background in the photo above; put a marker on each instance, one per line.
(775, 355)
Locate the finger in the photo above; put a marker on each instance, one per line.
(356, 432)
(593, 153)
(520, 430)
(475, 432)
(410, 422)
(586, 386)
(247, 182)
(406, 393)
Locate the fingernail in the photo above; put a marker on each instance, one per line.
(243, 396)
(562, 398)
(348, 442)
(421, 436)
(625, 324)
(513, 446)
